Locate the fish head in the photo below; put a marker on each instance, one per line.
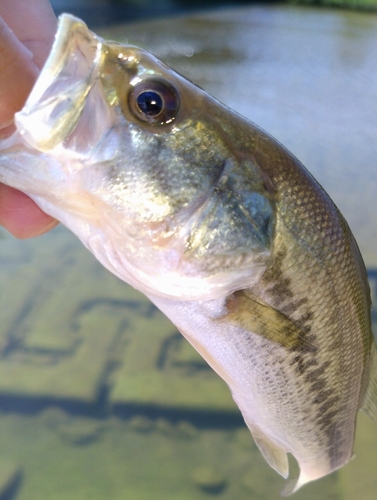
(144, 167)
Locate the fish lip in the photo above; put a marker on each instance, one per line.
(47, 100)
(67, 25)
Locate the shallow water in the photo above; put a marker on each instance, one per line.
(99, 395)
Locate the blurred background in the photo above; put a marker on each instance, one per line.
(100, 396)
(106, 12)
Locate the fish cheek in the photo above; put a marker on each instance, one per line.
(234, 227)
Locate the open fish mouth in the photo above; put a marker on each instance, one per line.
(67, 93)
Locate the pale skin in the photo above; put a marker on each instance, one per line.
(27, 29)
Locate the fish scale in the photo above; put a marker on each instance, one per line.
(349, 276)
(219, 225)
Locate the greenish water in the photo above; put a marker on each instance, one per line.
(99, 395)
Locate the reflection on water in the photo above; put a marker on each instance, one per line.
(99, 395)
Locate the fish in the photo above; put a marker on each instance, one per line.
(219, 225)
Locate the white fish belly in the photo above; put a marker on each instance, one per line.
(274, 402)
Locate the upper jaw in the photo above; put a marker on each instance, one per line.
(60, 95)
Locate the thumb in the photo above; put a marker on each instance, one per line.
(17, 76)
(18, 213)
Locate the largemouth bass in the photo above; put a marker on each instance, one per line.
(219, 225)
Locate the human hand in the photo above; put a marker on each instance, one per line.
(27, 29)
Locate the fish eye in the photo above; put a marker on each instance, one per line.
(154, 101)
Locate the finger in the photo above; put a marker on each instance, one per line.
(17, 76)
(34, 24)
(21, 216)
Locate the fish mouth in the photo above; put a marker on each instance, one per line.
(60, 94)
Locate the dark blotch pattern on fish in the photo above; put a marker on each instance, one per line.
(304, 357)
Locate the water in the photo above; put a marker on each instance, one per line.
(99, 395)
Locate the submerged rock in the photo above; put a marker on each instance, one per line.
(209, 479)
(186, 430)
(142, 424)
(72, 429)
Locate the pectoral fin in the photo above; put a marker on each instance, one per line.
(370, 399)
(257, 317)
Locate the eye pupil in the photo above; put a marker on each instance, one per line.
(150, 103)
(154, 101)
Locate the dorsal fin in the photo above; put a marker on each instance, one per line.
(369, 405)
